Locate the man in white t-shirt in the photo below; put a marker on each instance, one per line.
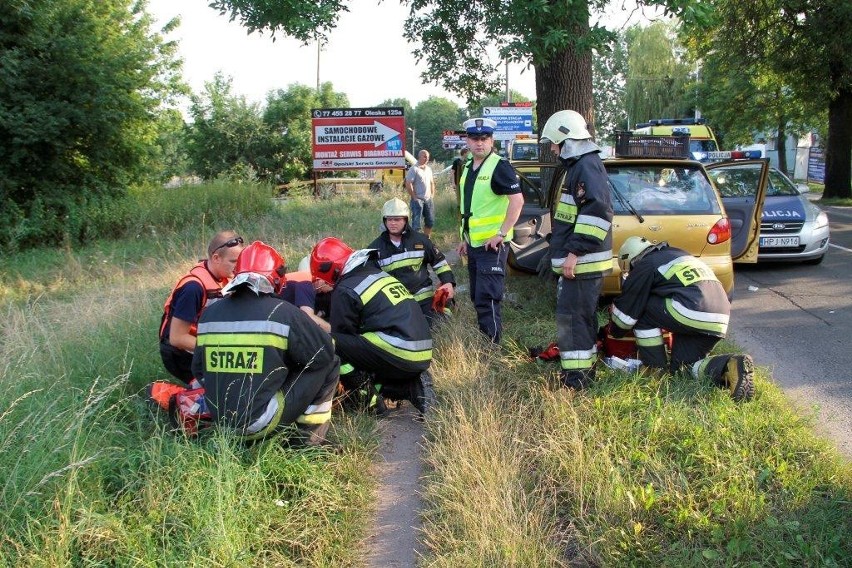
(420, 184)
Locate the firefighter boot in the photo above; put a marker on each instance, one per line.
(422, 394)
(375, 401)
(734, 372)
(577, 380)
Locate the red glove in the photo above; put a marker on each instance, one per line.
(439, 301)
(549, 353)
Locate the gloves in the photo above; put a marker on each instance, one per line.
(439, 301)
(549, 353)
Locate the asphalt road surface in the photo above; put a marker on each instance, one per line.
(796, 320)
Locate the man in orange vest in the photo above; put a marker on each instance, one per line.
(193, 292)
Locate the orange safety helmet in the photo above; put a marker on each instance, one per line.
(260, 258)
(327, 259)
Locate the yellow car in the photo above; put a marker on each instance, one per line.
(660, 198)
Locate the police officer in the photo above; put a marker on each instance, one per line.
(377, 327)
(580, 244)
(667, 288)
(262, 362)
(490, 204)
(407, 254)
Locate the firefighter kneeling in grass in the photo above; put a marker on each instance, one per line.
(262, 362)
(379, 331)
(666, 287)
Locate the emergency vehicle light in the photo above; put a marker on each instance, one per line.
(735, 155)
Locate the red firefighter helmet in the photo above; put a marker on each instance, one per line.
(327, 259)
(260, 258)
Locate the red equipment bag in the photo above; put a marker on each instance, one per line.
(625, 347)
(188, 411)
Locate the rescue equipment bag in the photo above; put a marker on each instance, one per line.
(188, 411)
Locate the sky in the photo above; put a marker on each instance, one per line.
(366, 57)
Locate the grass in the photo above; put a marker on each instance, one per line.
(635, 471)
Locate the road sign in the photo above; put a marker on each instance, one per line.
(512, 120)
(358, 138)
(454, 139)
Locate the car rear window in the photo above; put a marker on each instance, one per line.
(661, 190)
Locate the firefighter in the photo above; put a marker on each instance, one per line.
(200, 287)
(490, 204)
(667, 288)
(407, 254)
(580, 245)
(262, 362)
(378, 329)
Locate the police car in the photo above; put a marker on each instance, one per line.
(658, 192)
(792, 229)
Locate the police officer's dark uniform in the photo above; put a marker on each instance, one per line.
(483, 205)
(409, 263)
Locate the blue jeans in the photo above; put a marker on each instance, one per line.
(424, 208)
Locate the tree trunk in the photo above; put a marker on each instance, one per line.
(781, 144)
(565, 83)
(838, 151)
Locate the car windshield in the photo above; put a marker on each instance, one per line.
(779, 184)
(662, 190)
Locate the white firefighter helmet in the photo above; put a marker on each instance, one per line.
(305, 264)
(563, 125)
(632, 247)
(395, 208)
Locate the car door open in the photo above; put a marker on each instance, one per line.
(742, 186)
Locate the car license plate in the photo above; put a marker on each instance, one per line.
(770, 242)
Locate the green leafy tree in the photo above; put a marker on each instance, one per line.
(747, 104)
(657, 78)
(227, 135)
(609, 79)
(807, 44)
(288, 117)
(431, 118)
(81, 90)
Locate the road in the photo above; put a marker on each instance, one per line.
(798, 323)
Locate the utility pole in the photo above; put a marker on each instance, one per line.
(508, 95)
(413, 132)
(319, 48)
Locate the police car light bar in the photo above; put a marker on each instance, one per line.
(735, 155)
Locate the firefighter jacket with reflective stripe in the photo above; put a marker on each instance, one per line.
(487, 209)
(693, 295)
(582, 222)
(410, 261)
(373, 304)
(250, 347)
(212, 292)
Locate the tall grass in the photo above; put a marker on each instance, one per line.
(634, 471)
(91, 475)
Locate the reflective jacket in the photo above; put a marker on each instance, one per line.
(582, 223)
(410, 261)
(693, 295)
(487, 209)
(212, 292)
(373, 304)
(249, 348)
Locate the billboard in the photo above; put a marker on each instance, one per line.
(513, 120)
(358, 138)
(454, 139)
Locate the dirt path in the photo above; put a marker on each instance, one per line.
(393, 539)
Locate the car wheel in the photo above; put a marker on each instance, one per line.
(815, 261)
